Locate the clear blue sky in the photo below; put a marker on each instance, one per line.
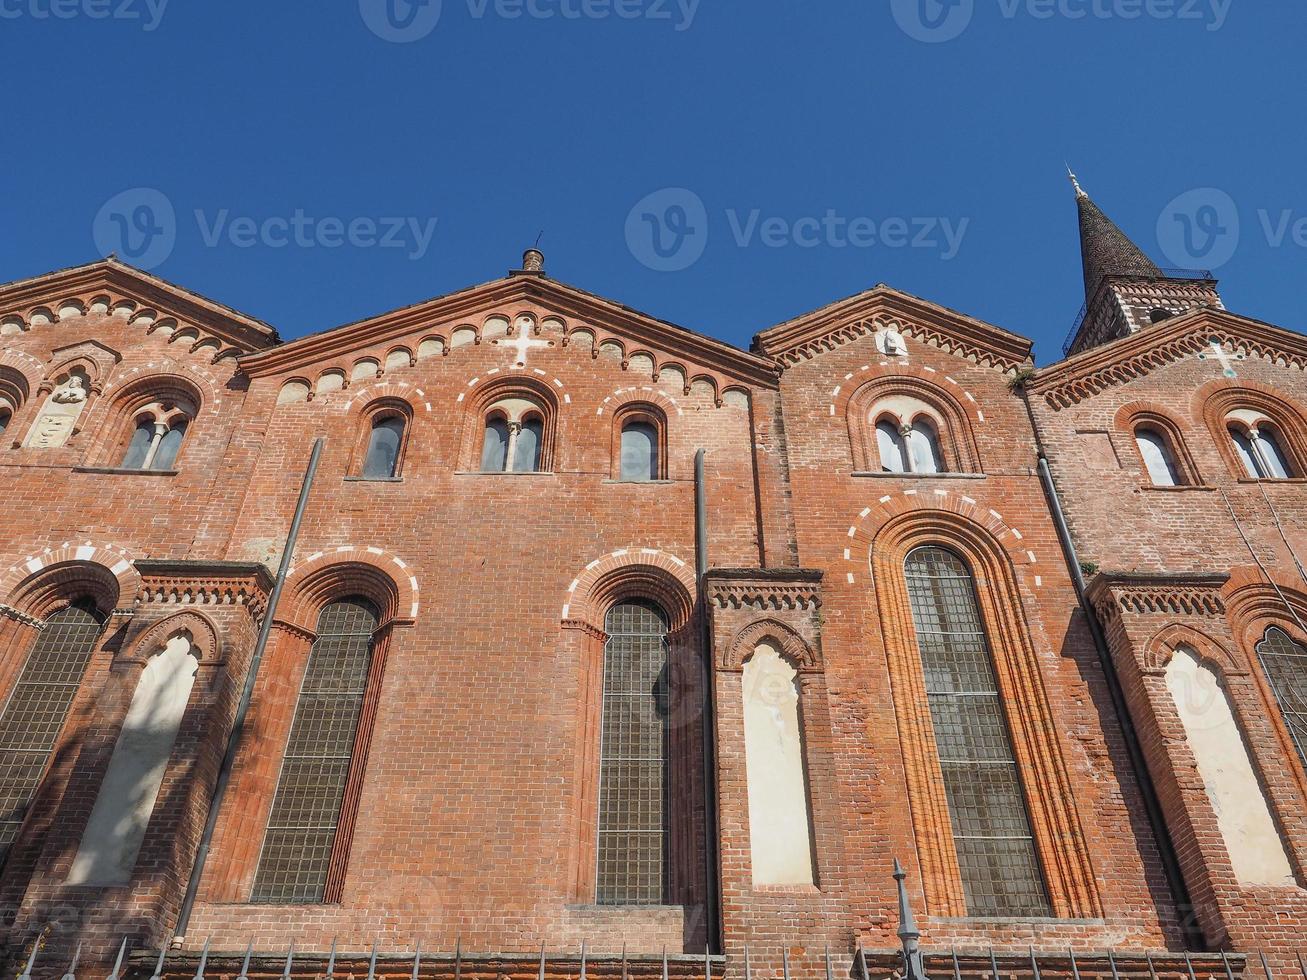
(500, 122)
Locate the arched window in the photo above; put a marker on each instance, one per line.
(157, 436)
(1157, 456)
(640, 451)
(1285, 664)
(526, 448)
(6, 416)
(381, 461)
(494, 451)
(893, 453)
(1259, 450)
(301, 834)
(995, 844)
(923, 444)
(38, 707)
(633, 757)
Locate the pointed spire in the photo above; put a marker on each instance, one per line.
(1075, 182)
(1105, 250)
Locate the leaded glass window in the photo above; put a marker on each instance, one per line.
(633, 754)
(306, 811)
(639, 451)
(38, 708)
(1285, 664)
(995, 845)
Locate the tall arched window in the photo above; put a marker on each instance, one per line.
(923, 445)
(1285, 665)
(156, 438)
(381, 461)
(301, 834)
(38, 707)
(1000, 868)
(893, 452)
(633, 757)
(640, 451)
(1158, 458)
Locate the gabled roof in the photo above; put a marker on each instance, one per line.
(115, 277)
(1119, 361)
(840, 322)
(594, 312)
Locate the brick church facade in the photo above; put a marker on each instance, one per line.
(606, 648)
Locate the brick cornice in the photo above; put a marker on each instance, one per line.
(1196, 594)
(1090, 372)
(736, 588)
(606, 318)
(120, 281)
(205, 583)
(833, 326)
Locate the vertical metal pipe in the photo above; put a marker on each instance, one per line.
(1143, 777)
(709, 724)
(247, 694)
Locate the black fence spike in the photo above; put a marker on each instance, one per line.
(542, 960)
(1111, 961)
(1075, 967)
(1225, 961)
(331, 961)
(1152, 970)
(1302, 967)
(290, 959)
(118, 963)
(204, 959)
(862, 962)
(417, 958)
(993, 963)
(245, 967)
(957, 968)
(1266, 967)
(748, 967)
(1189, 966)
(372, 962)
(1034, 964)
(72, 967)
(830, 969)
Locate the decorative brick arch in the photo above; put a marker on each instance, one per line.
(1215, 400)
(987, 547)
(327, 575)
(415, 397)
(1253, 605)
(622, 397)
(855, 381)
(36, 585)
(209, 388)
(32, 370)
(1154, 415)
(1162, 647)
(204, 637)
(791, 645)
(629, 572)
(950, 508)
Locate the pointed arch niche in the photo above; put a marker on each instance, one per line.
(1036, 743)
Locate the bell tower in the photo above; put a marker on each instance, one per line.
(1125, 291)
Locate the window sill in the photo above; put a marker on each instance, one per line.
(876, 475)
(639, 483)
(1291, 480)
(119, 471)
(374, 479)
(480, 473)
(1180, 489)
(1015, 920)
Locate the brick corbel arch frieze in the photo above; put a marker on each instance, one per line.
(990, 550)
(324, 576)
(203, 633)
(802, 656)
(1166, 641)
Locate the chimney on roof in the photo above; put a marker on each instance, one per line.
(533, 262)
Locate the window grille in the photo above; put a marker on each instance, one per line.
(38, 708)
(1285, 664)
(301, 833)
(1000, 868)
(633, 840)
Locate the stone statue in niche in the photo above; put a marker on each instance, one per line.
(890, 342)
(58, 417)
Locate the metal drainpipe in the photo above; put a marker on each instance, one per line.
(1153, 808)
(709, 726)
(251, 675)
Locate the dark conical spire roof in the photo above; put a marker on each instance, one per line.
(1104, 248)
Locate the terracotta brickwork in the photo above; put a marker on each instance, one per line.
(470, 812)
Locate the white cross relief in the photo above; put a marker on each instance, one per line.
(1217, 353)
(523, 344)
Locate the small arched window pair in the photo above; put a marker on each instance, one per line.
(1260, 448)
(157, 436)
(514, 438)
(909, 447)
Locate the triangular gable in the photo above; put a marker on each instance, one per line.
(839, 323)
(110, 286)
(604, 319)
(1089, 372)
